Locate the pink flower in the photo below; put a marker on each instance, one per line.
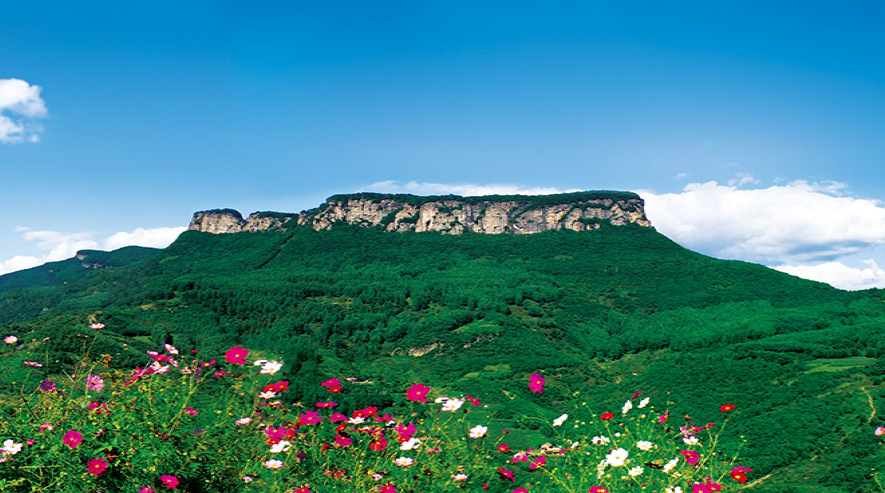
(96, 326)
(387, 488)
(94, 382)
(507, 474)
(169, 481)
(663, 418)
(880, 431)
(33, 363)
(539, 462)
(691, 456)
(96, 466)
(72, 439)
(536, 383)
(333, 385)
(417, 393)
(236, 355)
(310, 418)
(191, 411)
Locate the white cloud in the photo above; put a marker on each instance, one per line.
(20, 105)
(464, 189)
(680, 176)
(60, 245)
(840, 275)
(803, 227)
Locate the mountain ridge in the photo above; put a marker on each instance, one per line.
(446, 214)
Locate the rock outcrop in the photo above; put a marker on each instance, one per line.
(450, 214)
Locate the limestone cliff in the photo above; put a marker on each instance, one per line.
(449, 214)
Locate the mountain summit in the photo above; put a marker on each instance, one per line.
(447, 214)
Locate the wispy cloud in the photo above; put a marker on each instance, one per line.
(20, 106)
(60, 245)
(464, 189)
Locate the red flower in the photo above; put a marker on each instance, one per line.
(333, 385)
(72, 439)
(378, 444)
(169, 481)
(739, 477)
(235, 355)
(726, 407)
(417, 393)
(598, 489)
(536, 383)
(277, 387)
(503, 448)
(607, 416)
(96, 466)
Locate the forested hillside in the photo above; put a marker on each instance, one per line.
(603, 313)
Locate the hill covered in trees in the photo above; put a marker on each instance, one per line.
(599, 313)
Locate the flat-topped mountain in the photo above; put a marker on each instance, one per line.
(447, 214)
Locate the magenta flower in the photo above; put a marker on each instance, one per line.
(536, 383)
(72, 439)
(417, 393)
(310, 418)
(96, 466)
(236, 356)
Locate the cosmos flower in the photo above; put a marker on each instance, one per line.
(404, 462)
(10, 339)
(96, 326)
(271, 367)
(478, 431)
(459, 477)
(617, 457)
(236, 355)
(598, 489)
(643, 403)
(560, 420)
(607, 416)
(636, 471)
(691, 456)
(72, 439)
(10, 447)
(452, 405)
(726, 408)
(281, 446)
(410, 444)
(536, 383)
(601, 440)
(169, 481)
(273, 464)
(96, 466)
(644, 445)
(417, 393)
(243, 421)
(94, 382)
(333, 385)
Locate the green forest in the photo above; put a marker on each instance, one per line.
(601, 314)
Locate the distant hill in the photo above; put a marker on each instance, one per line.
(603, 312)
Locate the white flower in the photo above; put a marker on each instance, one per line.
(644, 445)
(643, 402)
(281, 446)
(377, 476)
(10, 447)
(158, 368)
(170, 349)
(560, 420)
(273, 464)
(675, 489)
(478, 431)
(247, 479)
(601, 440)
(243, 421)
(356, 420)
(267, 395)
(410, 444)
(440, 399)
(627, 406)
(670, 466)
(600, 469)
(616, 457)
(404, 462)
(636, 471)
(452, 405)
(459, 477)
(10, 339)
(271, 367)
(260, 362)
(690, 440)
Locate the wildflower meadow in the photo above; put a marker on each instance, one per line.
(182, 421)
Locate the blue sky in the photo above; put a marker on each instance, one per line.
(120, 119)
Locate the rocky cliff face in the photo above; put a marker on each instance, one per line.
(514, 214)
